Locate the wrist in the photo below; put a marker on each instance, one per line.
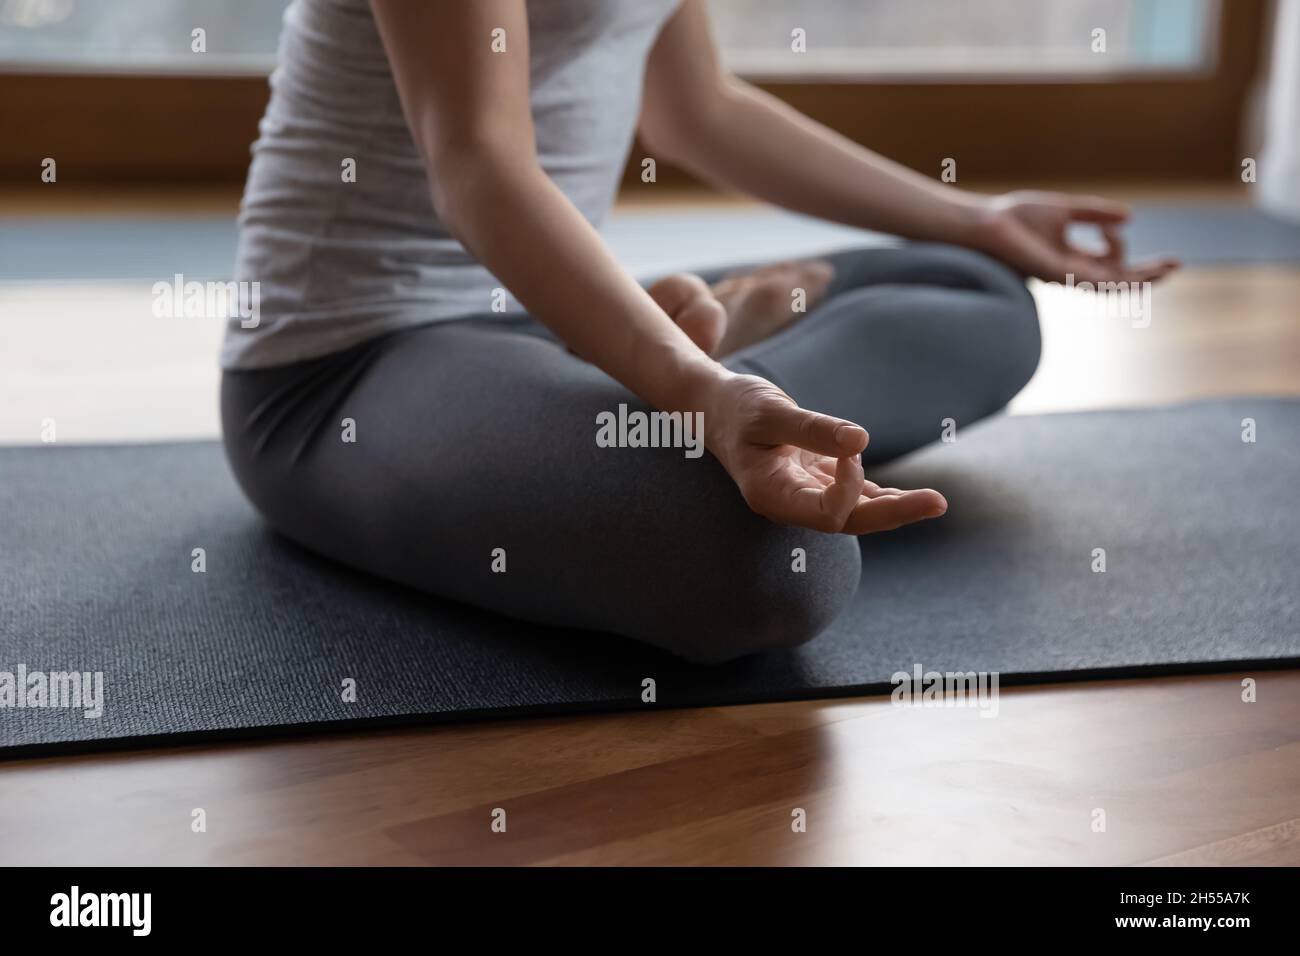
(701, 387)
(704, 388)
(970, 218)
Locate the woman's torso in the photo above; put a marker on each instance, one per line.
(340, 261)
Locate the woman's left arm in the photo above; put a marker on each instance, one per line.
(698, 117)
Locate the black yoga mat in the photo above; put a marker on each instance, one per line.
(1199, 529)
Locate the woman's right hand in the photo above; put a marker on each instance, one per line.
(802, 468)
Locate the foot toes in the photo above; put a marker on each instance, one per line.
(675, 291)
(704, 321)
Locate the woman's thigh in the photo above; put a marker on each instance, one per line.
(472, 470)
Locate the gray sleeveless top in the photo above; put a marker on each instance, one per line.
(339, 262)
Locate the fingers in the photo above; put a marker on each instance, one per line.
(792, 425)
(886, 512)
(1096, 269)
(1110, 265)
(1089, 265)
(847, 505)
(840, 498)
(820, 507)
(1096, 209)
(1116, 247)
(1043, 259)
(872, 490)
(1152, 270)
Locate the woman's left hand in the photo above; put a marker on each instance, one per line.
(1028, 231)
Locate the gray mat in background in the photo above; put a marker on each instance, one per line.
(203, 247)
(1201, 535)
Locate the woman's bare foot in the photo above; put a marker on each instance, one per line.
(743, 308)
(687, 300)
(763, 302)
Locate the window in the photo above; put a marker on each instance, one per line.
(849, 39)
(1012, 87)
(853, 39)
(239, 36)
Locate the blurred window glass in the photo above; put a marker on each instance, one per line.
(848, 39)
(863, 38)
(239, 36)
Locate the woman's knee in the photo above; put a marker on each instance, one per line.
(1012, 308)
(1024, 341)
(776, 596)
(1022, 333)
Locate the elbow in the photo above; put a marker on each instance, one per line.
(669, 139)
(449, 181)
(679, 133)
(658, 140)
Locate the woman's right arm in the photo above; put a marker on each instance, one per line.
(469, 113)
(468, 110)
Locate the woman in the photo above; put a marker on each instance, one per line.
(417, 159)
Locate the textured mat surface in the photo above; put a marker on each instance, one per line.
(1200, 532)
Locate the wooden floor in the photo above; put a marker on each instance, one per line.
(1181, 770)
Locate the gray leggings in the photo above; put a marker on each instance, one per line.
(478, 435)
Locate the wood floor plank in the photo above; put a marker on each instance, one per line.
(324, 789)
(1278, 845)
(1182, 767)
